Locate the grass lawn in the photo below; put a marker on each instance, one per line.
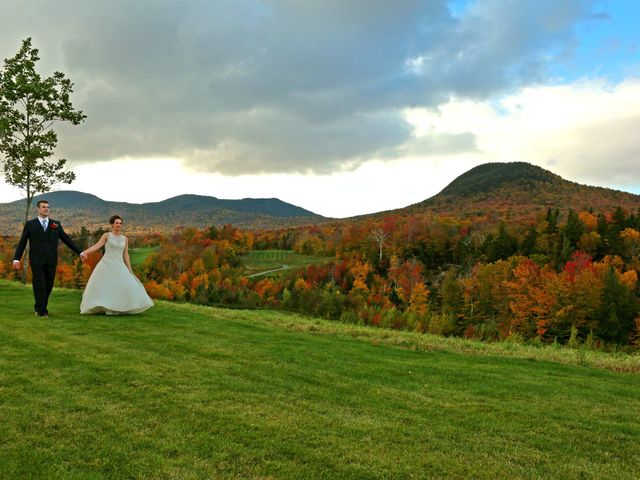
(139, 255)
(194, 392)
(257, 261)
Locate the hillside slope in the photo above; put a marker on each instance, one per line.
(518, 188)
(195, 392)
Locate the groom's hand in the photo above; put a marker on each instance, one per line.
(16, 264)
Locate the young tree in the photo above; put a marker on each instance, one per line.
(29, 107)
(418, 301)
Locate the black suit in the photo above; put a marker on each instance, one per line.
(43, 257)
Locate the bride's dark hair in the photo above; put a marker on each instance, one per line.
(113, 219)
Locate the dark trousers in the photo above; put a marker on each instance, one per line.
(43, 277)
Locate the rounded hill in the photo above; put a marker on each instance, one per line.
(518, 189)
(492, 176)
(67, 199)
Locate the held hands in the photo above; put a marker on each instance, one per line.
(16, 263)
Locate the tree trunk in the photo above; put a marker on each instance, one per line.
(25, 257)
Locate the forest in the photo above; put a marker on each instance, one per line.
(568, 277)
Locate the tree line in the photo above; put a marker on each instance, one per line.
(566, 278)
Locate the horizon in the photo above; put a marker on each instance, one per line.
(293, 204)
(340, 108)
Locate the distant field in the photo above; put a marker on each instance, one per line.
(257, 261)
(184, 391)
(139, 255)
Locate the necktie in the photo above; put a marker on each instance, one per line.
(44, 224)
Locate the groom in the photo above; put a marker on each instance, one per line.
(43, 235)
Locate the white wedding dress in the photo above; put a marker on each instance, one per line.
(112, 289)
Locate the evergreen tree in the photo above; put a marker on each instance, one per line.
(632, 220)
(451, 294)
(567, 250)
(618, 310)
(615, 245)
(212, 232)
(619, 219)
(528, 246)
(553, 241)
(574, 228)
(603, 231)
(552, 221)
(83, 239)
(503, 245)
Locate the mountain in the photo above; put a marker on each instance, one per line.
(492, 176)
(78, 209)
(518, 189)
(266, 206)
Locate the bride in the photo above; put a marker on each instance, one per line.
(113, 288)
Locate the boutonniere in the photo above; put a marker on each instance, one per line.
(54, 225)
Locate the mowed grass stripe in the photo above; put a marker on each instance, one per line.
(193, 392)
(140, 254)
(257, 261)
(270, 254)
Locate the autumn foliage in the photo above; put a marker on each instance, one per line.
(565, 275)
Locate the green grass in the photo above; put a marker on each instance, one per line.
(139, 255)
(194, 392)
(257, 261)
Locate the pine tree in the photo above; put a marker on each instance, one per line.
(529, 243)
(574, 228)
(567, 250)
(502, 246)
(618, 224)
(618, 310)
(552, 221)
(602, 230)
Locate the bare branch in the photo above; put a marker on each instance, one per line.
(380, 237)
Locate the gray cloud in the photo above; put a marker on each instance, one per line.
(606, 150)
(440, 144)
(281, 85)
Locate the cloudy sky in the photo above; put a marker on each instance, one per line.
(342, 107)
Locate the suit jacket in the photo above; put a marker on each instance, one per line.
(43, 245)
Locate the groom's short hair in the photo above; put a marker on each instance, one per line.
(42, 201)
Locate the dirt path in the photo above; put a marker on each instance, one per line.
(282, 267)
